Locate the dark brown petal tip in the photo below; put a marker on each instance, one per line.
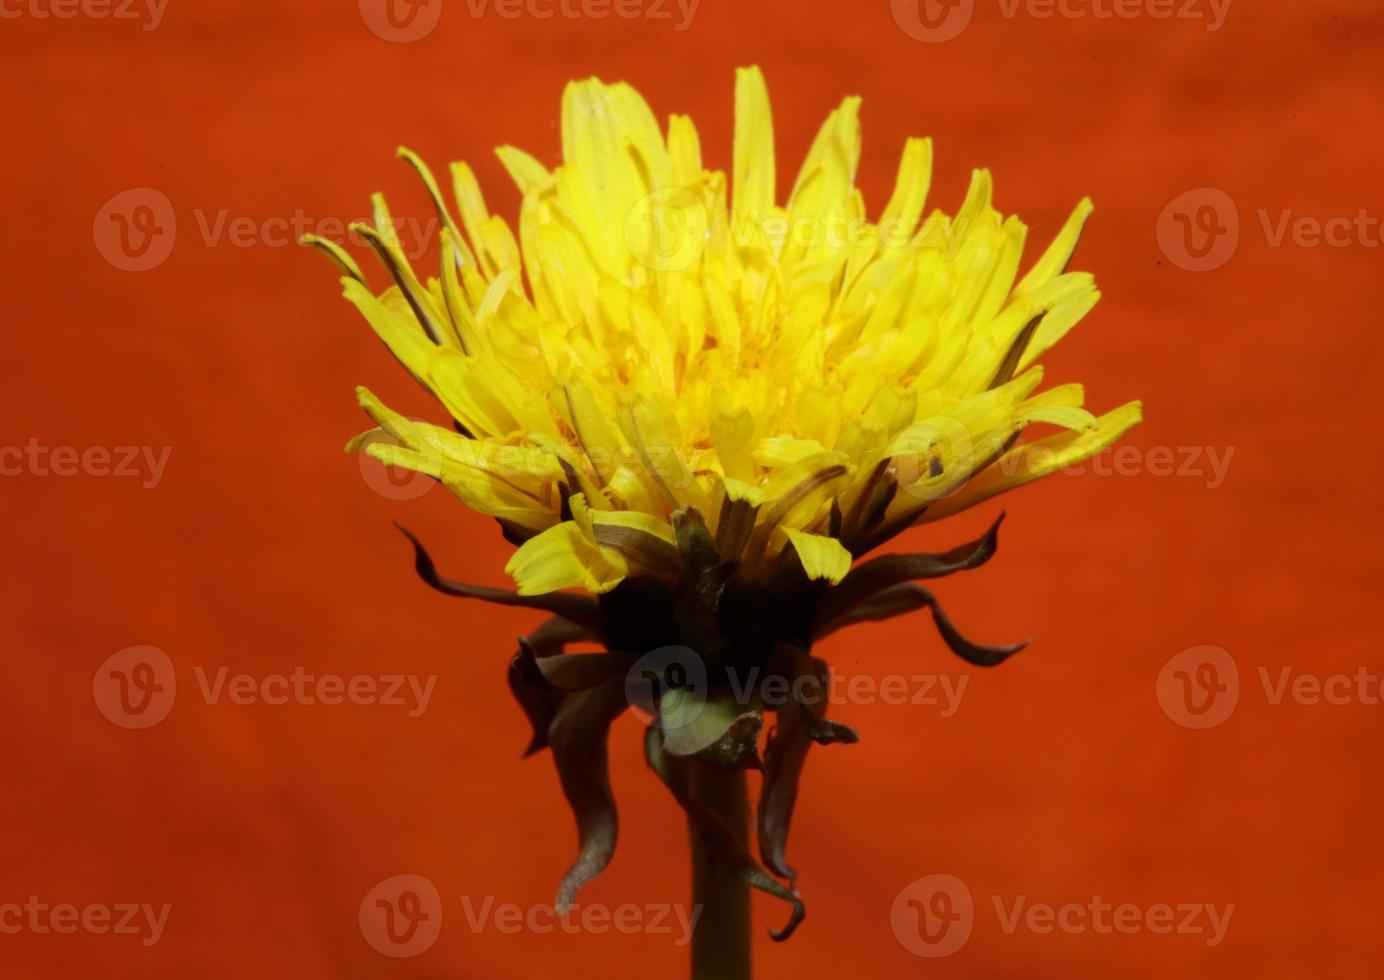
(581, 610)
(824, 731)
(535, 696)
(975, 654)
(555, 633)
(798, 725)
(583, 671)
(578, 736)
(783, 763)
(868, 579)
(899, 600)
(720, 838)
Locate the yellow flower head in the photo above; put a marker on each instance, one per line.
(702, 406)
(662, 337)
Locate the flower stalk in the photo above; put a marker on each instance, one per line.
(720, 896)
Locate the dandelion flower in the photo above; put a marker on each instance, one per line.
(694, 410)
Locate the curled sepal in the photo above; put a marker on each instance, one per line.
(810, 681)
(783, 762)
(578, 736)
(903, 599)
(868, 579)
(555, 633)
(889, 604)
(718, 729)
(974, 654)
(720, 838)
(584, 611)
(583, 671)
(800, 722)
(827, 732)
(536, 696)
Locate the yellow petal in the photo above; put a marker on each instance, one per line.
(1059, 253)
(404, 338)
(752, 191)
(1035, 460)
(562, 558)
(904, 209)
(821, 557)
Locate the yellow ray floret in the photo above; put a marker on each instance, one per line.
(658, 336)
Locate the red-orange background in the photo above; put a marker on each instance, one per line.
(262, 548)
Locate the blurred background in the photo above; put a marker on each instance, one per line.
(1179, 777)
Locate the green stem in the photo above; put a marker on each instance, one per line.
(721, 937)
